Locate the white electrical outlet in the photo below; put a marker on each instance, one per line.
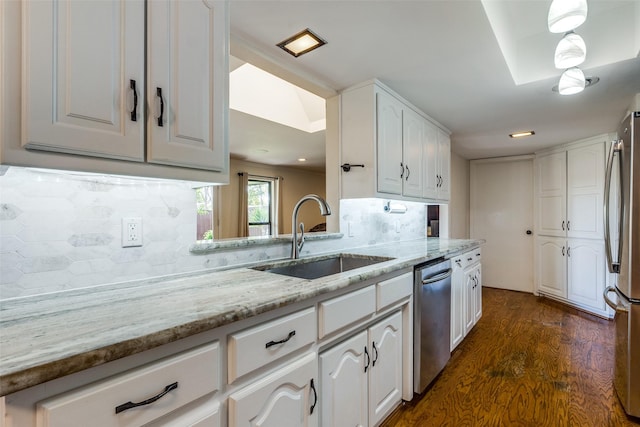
(131, 232)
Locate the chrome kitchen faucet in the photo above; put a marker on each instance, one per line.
(325, 210)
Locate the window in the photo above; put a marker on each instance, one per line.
(261, 206)
(204, 209)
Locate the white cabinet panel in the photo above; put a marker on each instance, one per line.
(344, 383)
(551, 183)
(257, 346)
(285, 398)
(187, 63)
(385, 377)
(394, 290)
(552, 266)
(191, 375)
(586, 272)
(339, 312)
(585, 191)
(389, 144)
(74, 100)
(444, 165)
(412, 147)
(362, 377)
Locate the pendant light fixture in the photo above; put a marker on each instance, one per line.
(566, 15)
(572, 81)
(571, 51)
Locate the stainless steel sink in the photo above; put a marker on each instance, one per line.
(313, 268)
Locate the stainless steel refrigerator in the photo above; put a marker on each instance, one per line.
(622, 245)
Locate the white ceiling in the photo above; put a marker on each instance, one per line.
(444, 57)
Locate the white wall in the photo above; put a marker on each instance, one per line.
(459, 203)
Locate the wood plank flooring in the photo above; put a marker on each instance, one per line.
(528, 362)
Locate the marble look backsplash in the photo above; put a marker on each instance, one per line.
(62, 230)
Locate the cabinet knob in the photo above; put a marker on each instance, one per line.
(529, 232)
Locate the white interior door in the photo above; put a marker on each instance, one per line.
(501, 193)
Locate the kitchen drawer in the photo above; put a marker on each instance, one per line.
(257, 346)
(393, 290)
(339, 312)
(196, 372)
(476, 255)
(468, 258)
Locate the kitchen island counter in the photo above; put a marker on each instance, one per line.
(49, 336)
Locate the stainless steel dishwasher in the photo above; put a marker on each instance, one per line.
(432, 322)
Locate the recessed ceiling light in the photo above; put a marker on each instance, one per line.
(522, 134)
(303, 42)
(302, 159)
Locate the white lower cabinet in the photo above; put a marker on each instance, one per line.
(272, 372)
(466, 295)
(286, 398)
(361, 378)
(572, 270)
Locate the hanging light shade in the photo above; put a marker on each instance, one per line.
(572, 81)
(565, 15)
(571, 51)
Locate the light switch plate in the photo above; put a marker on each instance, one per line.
(131, 232)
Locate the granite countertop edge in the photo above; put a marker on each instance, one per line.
(50, 336)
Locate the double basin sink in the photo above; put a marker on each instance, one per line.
(321, 266)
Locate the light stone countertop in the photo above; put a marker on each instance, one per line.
(48, 336)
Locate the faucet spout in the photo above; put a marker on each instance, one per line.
(297, 243)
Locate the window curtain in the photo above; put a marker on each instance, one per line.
(243, 220)
(279, 211)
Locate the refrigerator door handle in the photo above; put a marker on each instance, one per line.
(618, 307)
(614, 267)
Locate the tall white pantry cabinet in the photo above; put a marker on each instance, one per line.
(570, 260)
(144, 82)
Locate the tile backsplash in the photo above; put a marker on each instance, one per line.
(62, 230)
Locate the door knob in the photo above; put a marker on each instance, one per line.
(529, 232)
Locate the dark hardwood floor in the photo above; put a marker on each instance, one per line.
(528, 362)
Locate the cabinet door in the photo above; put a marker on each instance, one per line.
(389, 143)
(444, 165)
(187, 78)
(552, 266)
(551, 183)
(285, 398)
(457, 304)
(586, 272)
(430, 162)
(385, 377)
(469, 300)
(344, 371)
(412, 141)
(75, 101)
(585, 191)
(477, 314)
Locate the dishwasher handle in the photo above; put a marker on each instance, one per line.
(437, 277)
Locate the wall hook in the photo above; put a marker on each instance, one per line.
(347, 167)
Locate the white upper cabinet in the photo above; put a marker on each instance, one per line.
(570, 192)
(585, 191)
(552, 185)
(405, 155)
(389, 131)
(82, 61)
(85, 90)
(436, 163)
(187, 69)
(413, 140)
